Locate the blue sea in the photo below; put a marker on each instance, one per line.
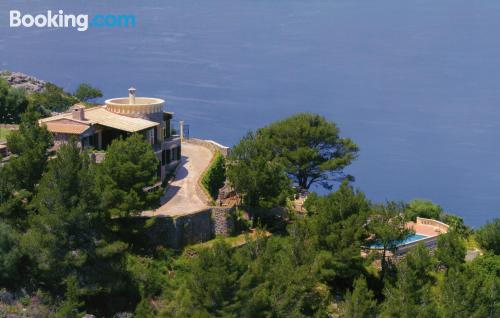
(415, 83)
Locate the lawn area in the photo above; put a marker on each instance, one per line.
(3, 133)
(233, 241)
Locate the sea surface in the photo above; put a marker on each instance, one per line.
(415, 83)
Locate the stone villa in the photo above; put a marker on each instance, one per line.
(96, 127)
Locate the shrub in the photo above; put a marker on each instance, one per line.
(424, 209)
(215, 176)
(488, 236)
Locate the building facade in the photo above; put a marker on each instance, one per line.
(96, 127)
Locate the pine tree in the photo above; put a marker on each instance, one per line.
(359, 303)
(130, 165)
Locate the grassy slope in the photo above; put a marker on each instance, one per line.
(3, 133)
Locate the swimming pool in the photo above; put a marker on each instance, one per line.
(409, 239)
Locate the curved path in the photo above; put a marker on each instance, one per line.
(183, 195)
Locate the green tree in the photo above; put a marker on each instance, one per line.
(19, 177)
(259, 179)
(130, 165)
(85, 92)
(310, 148)
(360, 303)
(13, 103)
(473, 291)
(9, 256)
(214, 177)
(67, 223)
(387, 226)
(450, 251)
(424, 209)
(68, 236)
(52, 98)
(278, 284)
(488, 236)
(69, 308)
(410, 296)
(337, 229)
(456, 224)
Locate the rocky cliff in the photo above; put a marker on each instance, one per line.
(24, 81)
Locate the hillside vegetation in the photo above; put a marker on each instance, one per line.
(62, 253)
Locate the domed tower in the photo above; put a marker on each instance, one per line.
(148, 108)
(132, 106)
(166, 146)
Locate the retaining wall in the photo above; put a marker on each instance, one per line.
(10, 126)
(197, 227)
(442, 227)
(429, 242)
(177, 232)
(212, 145)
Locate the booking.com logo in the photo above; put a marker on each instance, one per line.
(61, 20)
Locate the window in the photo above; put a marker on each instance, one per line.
(166, 131)
(151, 136)
(168, 156)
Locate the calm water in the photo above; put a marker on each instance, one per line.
(415, 83)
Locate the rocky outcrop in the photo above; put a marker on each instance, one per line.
(24, 81)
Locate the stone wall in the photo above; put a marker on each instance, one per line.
(177, 232)
(442, 227)
(429, 242)
(212, 145)
(223, 220)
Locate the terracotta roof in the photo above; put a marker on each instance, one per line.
(99, 115)
(75, 128)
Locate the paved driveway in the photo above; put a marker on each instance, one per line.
(182, 196)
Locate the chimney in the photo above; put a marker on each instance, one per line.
(131, 95)
(79, 113)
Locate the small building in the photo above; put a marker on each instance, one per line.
(96, 127)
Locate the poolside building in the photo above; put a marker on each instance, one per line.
(96, 127)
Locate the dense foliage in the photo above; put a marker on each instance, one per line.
(85, 92)
(52, 99)
(63, 252)
(310, 148)
(129, 167)
(255, 175)
(489, 236)
(424, 209)
(304, 148)
(214, 177)
(13, 103)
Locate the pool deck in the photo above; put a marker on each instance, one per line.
(423, 229)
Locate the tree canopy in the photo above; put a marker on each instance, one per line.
(130, 166)
(488, 236)
(255, 174)
(85, 92)
(64, 251)
(30, 145)
(301, 150)
(310, 148)
(424, 209)
(52, 99)
(13, 102)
